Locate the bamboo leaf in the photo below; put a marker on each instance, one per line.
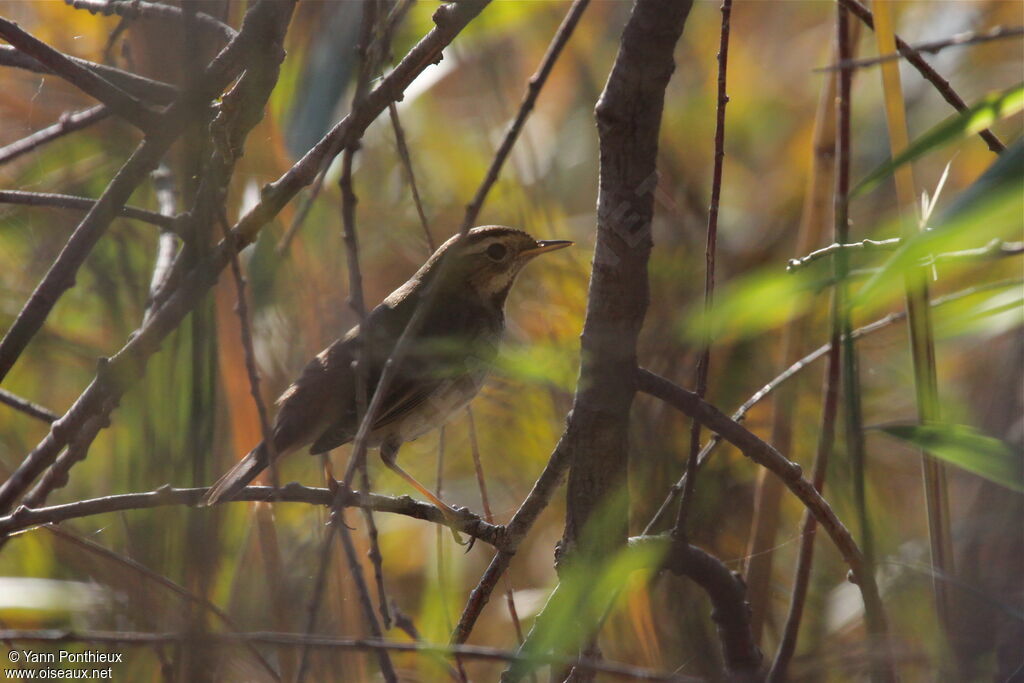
(967, 448)
(982, 115)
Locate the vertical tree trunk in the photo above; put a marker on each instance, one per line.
(628, 119)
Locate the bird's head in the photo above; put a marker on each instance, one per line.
(485, 262)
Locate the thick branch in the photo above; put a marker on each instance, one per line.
(728, 596)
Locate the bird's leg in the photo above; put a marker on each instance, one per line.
(389, 454)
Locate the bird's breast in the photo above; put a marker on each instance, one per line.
(450, 396)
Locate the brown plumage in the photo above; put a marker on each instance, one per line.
(443, 370)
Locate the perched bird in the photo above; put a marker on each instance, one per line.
(444, 367)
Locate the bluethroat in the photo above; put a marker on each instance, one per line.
(443, 370)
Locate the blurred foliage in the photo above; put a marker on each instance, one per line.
(192, 415)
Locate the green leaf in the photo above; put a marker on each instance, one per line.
(982, 115)
(997, 215)
(985, 313)
(967, 448)
(752, 305)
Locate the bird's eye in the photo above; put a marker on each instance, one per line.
(496, 252)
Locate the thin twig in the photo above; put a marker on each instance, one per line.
(815, 220)
(261, 23)
(120, 102)
(131, 9)
(28, 407)
(74, 203)
(864, 245)
(932, 47)
(68, 122)
(156, 92)
(533, 88)
(997, 248)
(826, 443)
(403, 154)
(56, 476)
(485, 501)
(25, 517)
(368, 60)
(159, 579)
(926, 70)
(387, 668)
(704, 357)
(765, 455)
(798, 367)
(249, 351)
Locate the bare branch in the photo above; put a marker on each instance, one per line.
(469, 523)
(67, 201)
(156, 92)
(864, 245)
(68, 123)
(28, 407)
(704, 357)
(533, 88)
(727, 593)
(160, 580)
(791, 474)
(933, 47)
(264, 20)
(120, 102)
(130, 9)
(926, 70)
(798, 367)
(403, 154)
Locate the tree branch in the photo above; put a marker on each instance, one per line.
(67, 201)
(704, 357)
(932, 47)
(120, 102)
(264, 20)
(763, 454)
(131, 9)
(470, 524)
(156, 92)
(926, 70)
(67, 123)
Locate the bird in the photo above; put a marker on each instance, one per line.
(445, 365)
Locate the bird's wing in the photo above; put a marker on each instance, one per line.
(445, 349)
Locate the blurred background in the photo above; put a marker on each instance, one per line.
(192, 415)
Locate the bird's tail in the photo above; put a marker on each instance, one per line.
(238, 477)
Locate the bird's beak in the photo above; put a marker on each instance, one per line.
(546, 245)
